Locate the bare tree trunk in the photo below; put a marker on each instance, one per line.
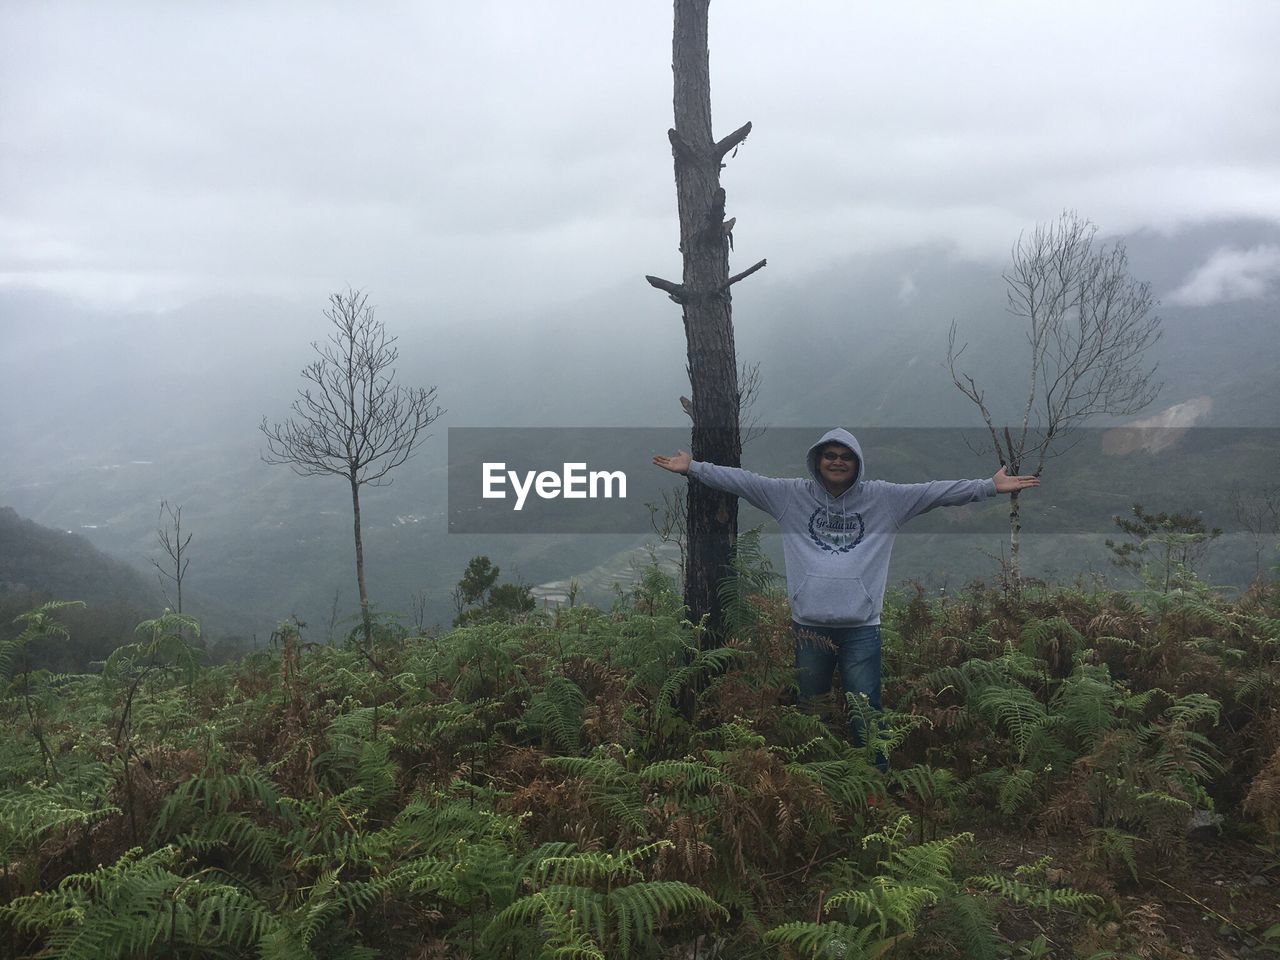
(1011, 456)
(364, 594)
(704, 296)
(1015, 538)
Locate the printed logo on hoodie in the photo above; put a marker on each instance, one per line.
(836, 534)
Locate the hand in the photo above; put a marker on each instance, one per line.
(1008, 484)
(677, 464)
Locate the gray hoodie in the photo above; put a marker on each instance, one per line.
(837, 548)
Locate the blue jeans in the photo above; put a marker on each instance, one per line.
(856, 650)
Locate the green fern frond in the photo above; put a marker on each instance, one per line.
(638, 908)
(891, 835)
(1259, 685)
(752, 574)
(849, 782)
(258, 844)
(705, 663)
(816, 744)
(557, 710)
(735, 734)
(125, 909)
(28, 816)
(1087, 701)
(211, 793)
(929, 784)
(926, 863)
(1109, 843)
(588, 867)
(827, 941)
(376, 774)
(888, 903)
(1025, 717)
(554, 848)
(1189, 709)
(584, 905)
(883, 731)
(566, 941)
(600, 770)
(1016, 785)
(1040, 896)
(40, 623)
(1035, 632)
(436, 827)
(610, 785)
(969, 925)
(686, 774)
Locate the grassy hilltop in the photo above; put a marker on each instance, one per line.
(1074, 774)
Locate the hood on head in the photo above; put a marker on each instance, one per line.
(841, 436)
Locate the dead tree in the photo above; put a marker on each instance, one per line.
(351, 420)
(1258, 511)
(1088, 324)
(706, 303)
(169, 536)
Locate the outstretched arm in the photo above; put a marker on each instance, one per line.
(766, 493)
(913, 499)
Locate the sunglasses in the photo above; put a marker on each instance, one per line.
(831, 456)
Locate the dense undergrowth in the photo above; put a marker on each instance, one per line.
(591, 784)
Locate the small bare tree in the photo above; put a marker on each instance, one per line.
(1088, 324)
(1258, 511)
(169, 536)
(351, 420)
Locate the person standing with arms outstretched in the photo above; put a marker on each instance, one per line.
(837, 534)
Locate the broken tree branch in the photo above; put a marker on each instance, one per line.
(732, 140)
(674, 290)
(743, 275)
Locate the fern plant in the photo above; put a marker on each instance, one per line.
(598, 902)
(931, 792)
(555, 713)
(751, 575)
(614, 788)
(141, 905)
(34, 687)
(665, 720)
(882, 731)
(33, 814)
(1029, 887)
(889, 906)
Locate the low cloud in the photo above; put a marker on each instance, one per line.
(1231, 274)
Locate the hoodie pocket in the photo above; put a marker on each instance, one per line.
(832, 600)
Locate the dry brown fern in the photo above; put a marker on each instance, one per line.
(555, 809)
(689, 856)
(773, 811)
(604, 717)
(1263, 799)
(1151, 941)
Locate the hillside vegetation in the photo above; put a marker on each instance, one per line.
(590, 783)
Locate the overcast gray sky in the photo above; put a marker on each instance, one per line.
(498, 153)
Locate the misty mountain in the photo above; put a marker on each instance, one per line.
(63, 565)
(108, 413)
(38, 564)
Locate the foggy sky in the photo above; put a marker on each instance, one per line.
(502, 154)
